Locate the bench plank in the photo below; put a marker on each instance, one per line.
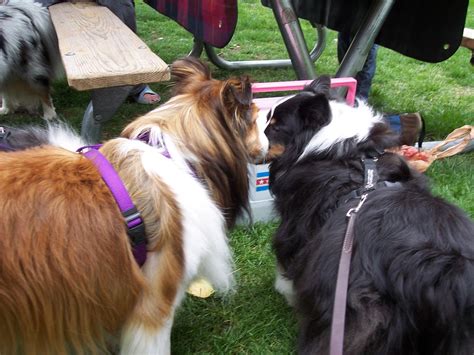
(468, 38)
(98, 50)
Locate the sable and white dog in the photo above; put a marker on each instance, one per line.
(68, 279)
(29, 57)
(411, 286)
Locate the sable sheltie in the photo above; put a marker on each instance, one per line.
(29, 57)
(68, 279)
(411, 286)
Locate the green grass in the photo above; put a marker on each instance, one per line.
(255, 320)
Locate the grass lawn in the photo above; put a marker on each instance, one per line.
(255, 320)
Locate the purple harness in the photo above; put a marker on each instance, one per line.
(133, 219)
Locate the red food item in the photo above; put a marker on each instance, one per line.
(459, 138)
(412, 153)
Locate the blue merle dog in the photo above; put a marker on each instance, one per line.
(29, 57)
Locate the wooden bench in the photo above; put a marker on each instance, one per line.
(101, 53)
(468, 41)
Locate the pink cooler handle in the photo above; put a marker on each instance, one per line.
(350, 83)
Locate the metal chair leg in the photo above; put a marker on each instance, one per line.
(268, 63)
(197, 49)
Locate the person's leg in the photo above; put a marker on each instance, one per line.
(125, 11)
(343, 42)
(365, 76)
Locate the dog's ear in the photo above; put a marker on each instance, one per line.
(315, 112)
(237, 93)
(186, 71)
(321, 85)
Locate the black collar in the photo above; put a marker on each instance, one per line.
(371, 181)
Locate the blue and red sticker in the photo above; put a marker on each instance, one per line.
(262, 181)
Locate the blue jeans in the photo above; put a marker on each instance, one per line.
(365, 76)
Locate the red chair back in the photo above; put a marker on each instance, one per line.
(211, 21)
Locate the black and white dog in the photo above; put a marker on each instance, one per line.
(29, 57)
(411, 286)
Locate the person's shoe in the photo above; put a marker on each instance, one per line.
(412, 129)
(147, 97)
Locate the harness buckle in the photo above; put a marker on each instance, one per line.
(356, 209)
(137, 235)
(135, 226)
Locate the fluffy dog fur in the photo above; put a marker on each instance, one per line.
(29, 136)
(411, 288)
(29, 57)
(68, 280)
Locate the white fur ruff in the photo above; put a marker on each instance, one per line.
(346, 122)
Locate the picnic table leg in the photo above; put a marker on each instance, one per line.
(359, 48)
(293, 37)
(104, 103)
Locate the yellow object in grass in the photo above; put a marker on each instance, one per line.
(200, 288)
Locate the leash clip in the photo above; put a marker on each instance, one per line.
(356, 209)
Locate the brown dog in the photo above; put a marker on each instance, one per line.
(68, 279)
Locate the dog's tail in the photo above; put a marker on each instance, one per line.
(57, 133)
(60, 134)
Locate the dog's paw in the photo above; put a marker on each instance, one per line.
(49, 115)
(4, 111)
(284, 286)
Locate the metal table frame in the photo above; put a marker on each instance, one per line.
(306, 73)
(293, 37)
